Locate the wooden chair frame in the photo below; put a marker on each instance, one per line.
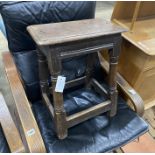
(24, 111)
(9, 128)
(25, 118)
(124, 86)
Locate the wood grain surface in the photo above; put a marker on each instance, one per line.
(28, 122)
(53, 33)
(140, 19)
(10, 131)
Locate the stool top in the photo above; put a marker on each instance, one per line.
(56, 33)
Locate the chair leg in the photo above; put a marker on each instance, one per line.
(90, 61)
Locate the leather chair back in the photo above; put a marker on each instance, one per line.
(18, 15)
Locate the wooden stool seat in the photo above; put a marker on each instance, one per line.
(59, 41)
(56, 33)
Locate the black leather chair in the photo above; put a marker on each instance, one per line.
(95, 135)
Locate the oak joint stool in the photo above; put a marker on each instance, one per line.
(58, 41)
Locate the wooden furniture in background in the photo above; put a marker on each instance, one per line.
(137, 59)
(59, 41)
(125, 88)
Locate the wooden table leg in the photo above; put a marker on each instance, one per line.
(90, 62)
(43, 72)
(113, 61)
(59, 111)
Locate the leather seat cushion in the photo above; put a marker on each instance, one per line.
(99, 134)
(3, 143)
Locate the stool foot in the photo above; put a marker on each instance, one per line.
(60, 123)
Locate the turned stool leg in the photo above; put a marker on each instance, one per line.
(59, 111)
(43, 72)
(113, 61)
(90, 62)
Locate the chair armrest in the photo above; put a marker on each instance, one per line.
(129, 91)
(9, 128)
(28, 123)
